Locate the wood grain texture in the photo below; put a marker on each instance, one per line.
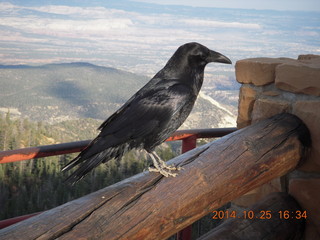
(150, 206)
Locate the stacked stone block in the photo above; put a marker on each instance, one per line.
(274, 85)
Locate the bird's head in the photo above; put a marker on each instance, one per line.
(192, 57)
(199, 55)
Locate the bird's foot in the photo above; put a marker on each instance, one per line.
(161, 167)
(165, 172)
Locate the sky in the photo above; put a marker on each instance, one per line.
(141, 36)
(293, 5)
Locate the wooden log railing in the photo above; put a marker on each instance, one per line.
(188, 138)
(150, 206)
(277, 216)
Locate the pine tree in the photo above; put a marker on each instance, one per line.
(38, 184)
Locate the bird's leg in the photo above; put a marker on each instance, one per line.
(161, 167)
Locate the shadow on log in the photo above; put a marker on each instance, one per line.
(150, 206)
(276, 217)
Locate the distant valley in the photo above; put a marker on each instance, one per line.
(68, 91)
(60, 103)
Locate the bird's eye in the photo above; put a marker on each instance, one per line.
(198, 57)
(202, 56)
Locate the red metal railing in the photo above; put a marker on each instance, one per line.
(72, 147)
(188, 137)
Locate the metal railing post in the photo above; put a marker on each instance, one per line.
(187, 144)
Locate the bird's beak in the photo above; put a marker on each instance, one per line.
(218, 57)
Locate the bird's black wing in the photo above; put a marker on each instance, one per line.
(153, 84)
(148, 111)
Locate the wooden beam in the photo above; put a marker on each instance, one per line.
(150, 206)
(277, 216)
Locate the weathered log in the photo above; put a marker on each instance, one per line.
(276, 217)
(150, 206)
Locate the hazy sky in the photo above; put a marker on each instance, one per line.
(296, 5)
(141, 37)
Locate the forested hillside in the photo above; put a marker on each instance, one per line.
(38, 184)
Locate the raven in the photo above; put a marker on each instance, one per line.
(151, 115)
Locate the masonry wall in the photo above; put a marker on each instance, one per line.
(275, 85)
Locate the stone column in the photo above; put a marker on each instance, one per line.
(275, 85)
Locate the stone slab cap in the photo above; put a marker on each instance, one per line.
(258, 71)
(301, 76)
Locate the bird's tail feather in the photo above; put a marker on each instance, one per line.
(87, 164)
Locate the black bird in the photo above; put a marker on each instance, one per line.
(151, 115)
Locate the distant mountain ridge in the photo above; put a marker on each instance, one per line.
(56, 92)
(67, 91)
(76, 64)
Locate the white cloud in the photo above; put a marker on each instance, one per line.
(97, 22)
(218, 24)
(5, 6)
(295, 5)
(128, 39)
(80, 12)
(67, 28)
